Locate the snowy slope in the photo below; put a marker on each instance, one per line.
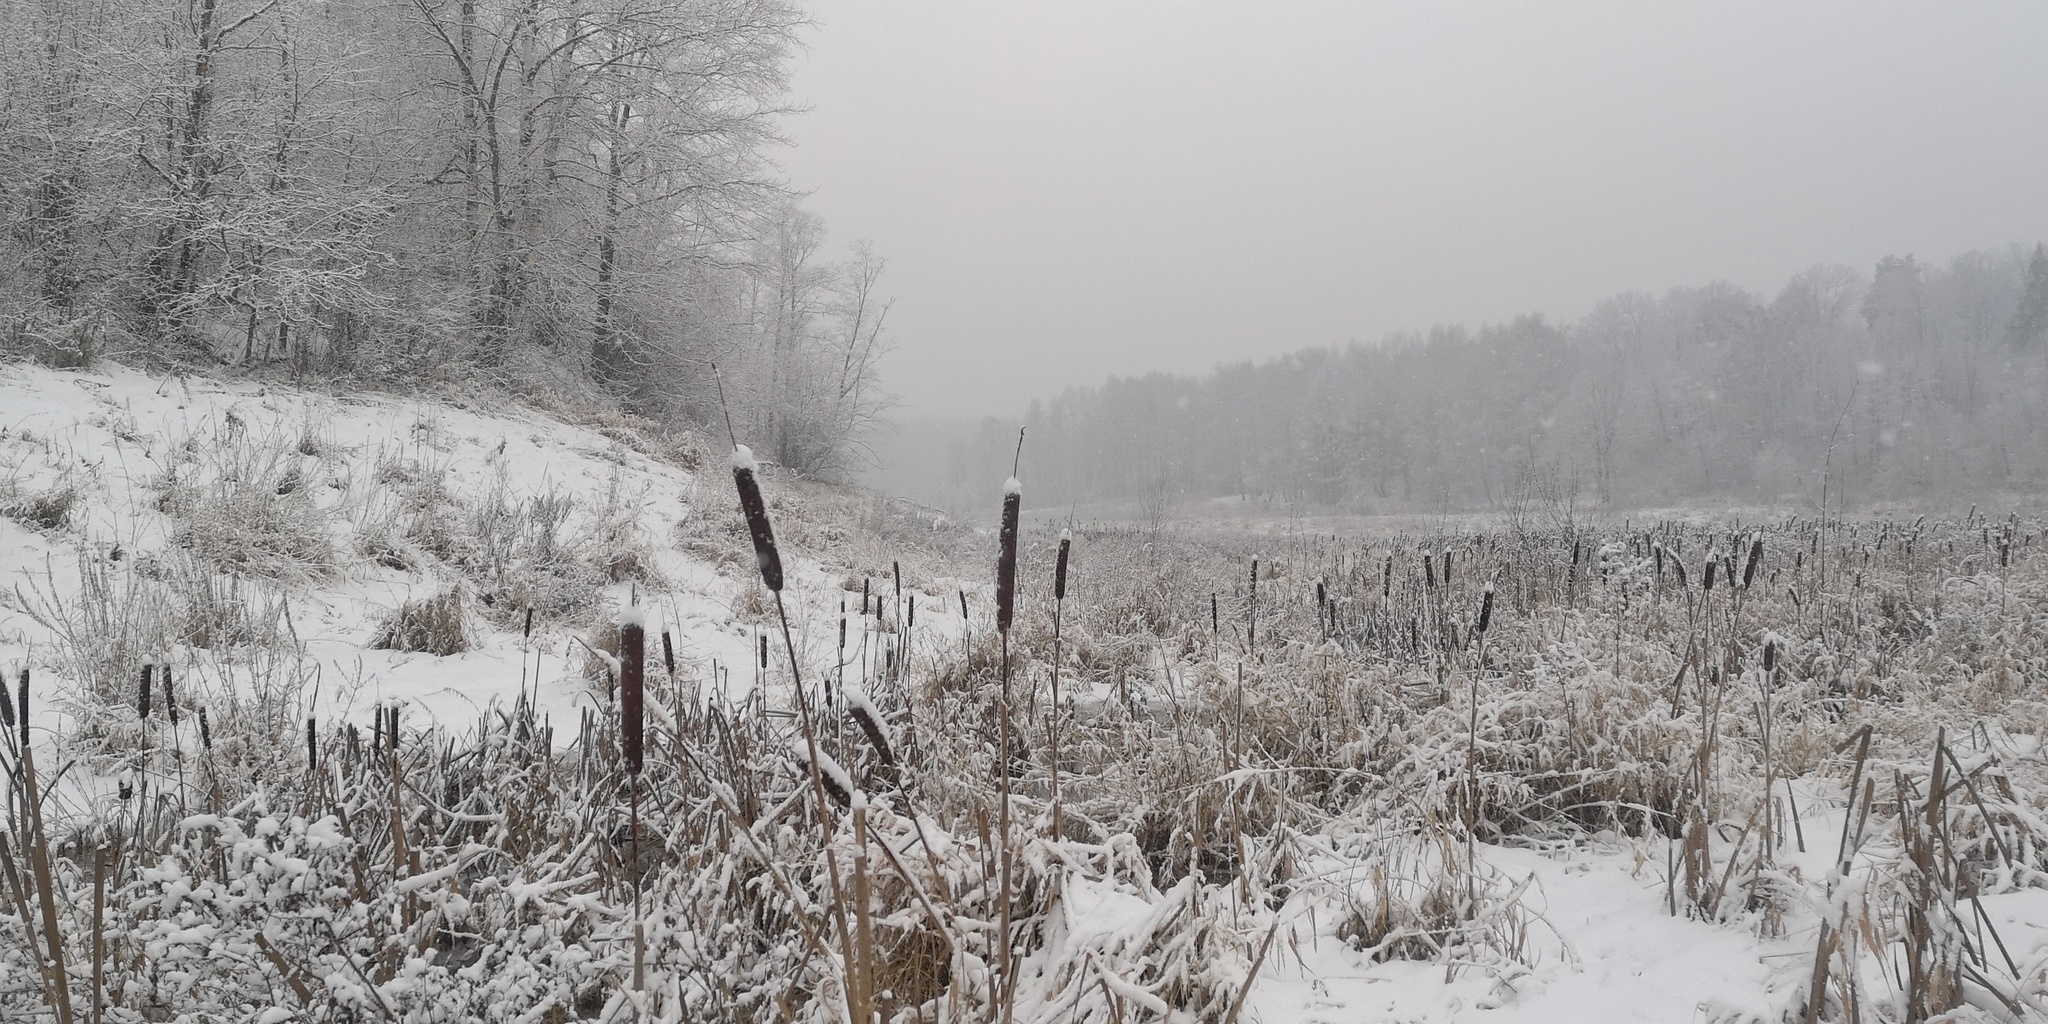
(112, 439)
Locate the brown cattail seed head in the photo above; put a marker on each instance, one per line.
(632, 687)
(1707, 580)
(142, 698)
(205, 730)
(668, 653)
(22, 705)
(1059, 568)
(756, 511)
(170, 697)
(1486, 609)
(1771, 655)
(1006, 554)
(1756, 557)
(6, 707)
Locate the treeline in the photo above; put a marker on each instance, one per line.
(552, 194)
(1913, 380)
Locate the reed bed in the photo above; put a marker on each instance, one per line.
(1099, 791)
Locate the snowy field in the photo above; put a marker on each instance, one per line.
(1426, 770)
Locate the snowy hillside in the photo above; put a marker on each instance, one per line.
(332, 513)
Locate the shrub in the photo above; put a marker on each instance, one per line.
(438, 625)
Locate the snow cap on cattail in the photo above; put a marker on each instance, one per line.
(1059, 569)
(632, 683)
(1006, 555)
(743, 469)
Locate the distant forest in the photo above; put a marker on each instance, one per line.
(1910, 381)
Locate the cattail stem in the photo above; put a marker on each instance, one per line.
(1059, 599)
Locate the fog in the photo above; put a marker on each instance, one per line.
(1068, 191)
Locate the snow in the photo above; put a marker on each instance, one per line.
(1599, 943)
(1012, 486)
(743, 459)
(116, 435)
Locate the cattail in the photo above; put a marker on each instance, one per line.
(170, 698)
(1658, 551)
(1707, 580)
(1447, 567)
(838, 785)
(6, 707)
(1756, 557)
(1387, 578)
(1321, 600)
(1679, 568)
(632, 686)
(764, 651)
(1059, 572)
(205, 730)
(864, 714)
(864, 595)
(142, 699)
(668, 653)
(1214, 621)
(526, 631)
(22, 703)
(911, 622)
(1006, 556)
(1429, 570)
(1575, 551)
(963, 603)
(312, 745)
(1770, 655)
(770, 560)
(1485, 610)
(391, 736)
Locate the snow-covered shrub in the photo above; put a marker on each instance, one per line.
(437, 625)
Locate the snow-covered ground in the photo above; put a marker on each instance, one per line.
(116, 484)
(113, 438)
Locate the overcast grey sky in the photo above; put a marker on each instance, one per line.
(1068, 190)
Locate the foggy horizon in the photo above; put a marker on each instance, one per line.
(1068, 193)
